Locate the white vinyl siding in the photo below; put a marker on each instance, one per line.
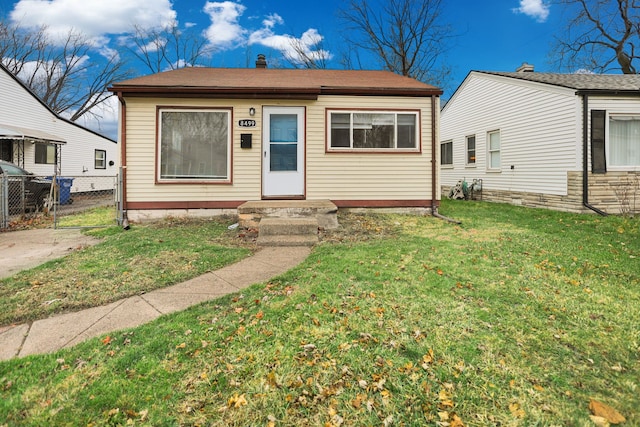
(20, 108)
(540, 133)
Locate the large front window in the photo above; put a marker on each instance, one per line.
(195, 145)
(624, 141)
(368, 130)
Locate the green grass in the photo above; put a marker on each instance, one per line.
(95, 217)
(125, 263)
(516, 317)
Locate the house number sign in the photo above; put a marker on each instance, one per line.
(247, 123)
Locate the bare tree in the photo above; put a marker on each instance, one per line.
(600, 36)
(408, 37)
(62, 74)
(307, 53)
(169, 48)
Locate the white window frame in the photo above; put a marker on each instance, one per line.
(100, 159)
(490, 151)
(448, 142)
(467, 161)
(608, 142)
(178, 144)
(394, 149)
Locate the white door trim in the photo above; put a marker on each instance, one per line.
(283, 152)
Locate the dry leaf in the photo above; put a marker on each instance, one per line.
(599, 421)
(607, 412)
(516, 410)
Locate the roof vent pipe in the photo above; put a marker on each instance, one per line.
(525, 68)
(261, 62)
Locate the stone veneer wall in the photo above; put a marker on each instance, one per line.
(613, 192)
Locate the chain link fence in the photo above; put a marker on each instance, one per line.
(73, 201)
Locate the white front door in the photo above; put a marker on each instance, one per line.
(283, 150)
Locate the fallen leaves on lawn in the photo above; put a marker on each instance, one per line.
(600, 410)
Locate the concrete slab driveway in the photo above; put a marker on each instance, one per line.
(20, 250)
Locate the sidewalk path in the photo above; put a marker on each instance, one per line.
(66, 330)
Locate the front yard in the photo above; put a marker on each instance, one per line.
(516, 317)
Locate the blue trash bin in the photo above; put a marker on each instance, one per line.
(64, 185)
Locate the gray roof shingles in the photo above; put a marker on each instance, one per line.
(582, 82)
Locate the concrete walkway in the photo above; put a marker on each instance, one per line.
(66, 330)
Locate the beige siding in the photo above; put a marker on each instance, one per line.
(335, 176)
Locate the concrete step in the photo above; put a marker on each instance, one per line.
(287, 240)
(288, 226)
(287, 232)
(250, 213)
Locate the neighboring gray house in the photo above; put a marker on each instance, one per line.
(532, 136)
(30, 132)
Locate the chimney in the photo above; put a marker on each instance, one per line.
(525, 68)
(261, 62)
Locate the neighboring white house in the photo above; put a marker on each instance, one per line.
(30, 132)
(531, 136)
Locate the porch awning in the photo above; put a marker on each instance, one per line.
(26, 134)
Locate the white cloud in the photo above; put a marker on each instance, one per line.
(292, 48)
(225, 30)
(536, 9)
(93, 18)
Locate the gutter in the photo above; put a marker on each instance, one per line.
(585, 162)
(123, 155)
(434, 166)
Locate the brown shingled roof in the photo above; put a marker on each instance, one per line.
(261, 82)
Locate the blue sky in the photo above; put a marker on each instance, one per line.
(497, 35)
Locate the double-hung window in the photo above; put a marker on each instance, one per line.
(194, 145)
(446, 153)
(624, 141)
(494, 150)
(471, 150)
(373, 130)
(100, 159)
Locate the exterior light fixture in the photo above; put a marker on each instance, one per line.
(252, 111)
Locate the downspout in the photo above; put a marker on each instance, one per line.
(123, 158)
(585, 160)
(434, 165)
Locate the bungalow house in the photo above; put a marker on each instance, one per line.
(201, 141)
(568, 142)
(44, 143)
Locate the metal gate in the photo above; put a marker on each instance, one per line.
(73, 201)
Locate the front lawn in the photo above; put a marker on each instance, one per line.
(516, 317)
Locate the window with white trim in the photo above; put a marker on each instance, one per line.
(471, 150)
(100, 159)
(195, 145)
(494, 150)
(45, 154)
(446, 153)
(373, 130)
(624, 141)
